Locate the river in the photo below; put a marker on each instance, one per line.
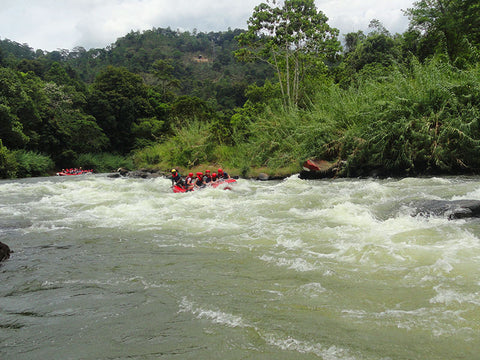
(329, 269)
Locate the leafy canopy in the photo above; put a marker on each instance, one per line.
(451, 26)
(294, 38)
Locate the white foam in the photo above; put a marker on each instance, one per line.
(305, 347)
(297, 264)
(216, 316)
(450, 296)
(312, 290)
(286, 344)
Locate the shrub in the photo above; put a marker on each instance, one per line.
(8, 163)
(33, 164)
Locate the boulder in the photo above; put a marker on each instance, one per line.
(4, 251)
(122, 171)
(320, 169)
(263, 177)
(453, 209)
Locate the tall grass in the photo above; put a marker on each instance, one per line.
(30, 164)
(8, 163)
(425, 120)
(191, 145)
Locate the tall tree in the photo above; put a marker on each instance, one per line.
(352, 40)
(118, 99)
(451, 25)
(67, 128)
(164, 72)
(292, 38)
(16, 110)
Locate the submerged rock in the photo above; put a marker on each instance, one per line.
(139, 174)
(453, 209)
(266, 177)
(4, 251)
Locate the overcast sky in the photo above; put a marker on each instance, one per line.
(65, 24)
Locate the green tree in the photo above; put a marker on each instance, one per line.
(164, 73)
(293, 39)
(451, 26)
(187, 108)
(352, 40)
(15, 107)
(68, 130)
(375, 49)
(8, 163)
(118, 99)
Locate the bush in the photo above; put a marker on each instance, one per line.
(191, 145)
(8, 163)
(33, 164)
(425, 120)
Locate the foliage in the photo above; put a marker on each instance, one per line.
(190, 145)
(103, 162)
(426, 121)
(33, 164)
(295, 39)
(405, 104)
(8, 163)
(118, 100)
(15, 104)
(71, 128)
(451, 26)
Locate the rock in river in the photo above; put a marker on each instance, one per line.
(453, 209)
(4, 251)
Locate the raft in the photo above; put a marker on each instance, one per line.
(79, 172)
(181, 189)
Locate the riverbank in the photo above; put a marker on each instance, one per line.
(308, 170)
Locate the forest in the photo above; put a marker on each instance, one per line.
(266, 98)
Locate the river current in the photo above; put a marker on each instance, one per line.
(334, 269)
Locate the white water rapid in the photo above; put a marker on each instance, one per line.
(334, 269)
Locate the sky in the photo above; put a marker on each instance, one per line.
(65, 24)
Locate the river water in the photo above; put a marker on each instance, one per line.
(336, 269)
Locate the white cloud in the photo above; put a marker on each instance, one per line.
(53, 24)
(354, 15)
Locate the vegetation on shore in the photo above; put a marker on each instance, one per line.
(258, 100)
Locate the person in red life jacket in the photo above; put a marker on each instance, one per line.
(207, 177)
(214, 177)
(177, 178)
(222, 174)
(199, 181)
(189, 182)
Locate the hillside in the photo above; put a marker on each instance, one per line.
(200, 64)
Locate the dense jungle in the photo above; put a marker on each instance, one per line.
(266, 98)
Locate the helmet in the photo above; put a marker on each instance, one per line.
(207, 171)
(214, 175)
(190, 174)
(174, 170)
(220, 171)
(199, 174)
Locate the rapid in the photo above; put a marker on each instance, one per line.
(329, 269)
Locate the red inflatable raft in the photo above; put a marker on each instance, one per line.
(181, 189)
(74, 172)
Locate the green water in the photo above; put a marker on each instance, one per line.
(125, 269)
